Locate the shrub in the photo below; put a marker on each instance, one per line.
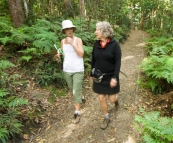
(158, 66)
(9, 111)
(154, 129)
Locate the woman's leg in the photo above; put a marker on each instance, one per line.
(77, 93)
(77, 87)
(103, 103)
(104, 107)
(69, 79)
(113, 98)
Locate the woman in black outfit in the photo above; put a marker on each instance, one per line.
(106, 57)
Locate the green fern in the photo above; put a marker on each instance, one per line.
(5, 27)
(3, 134)
(25, 58)
(87, 59)
(4, 64)
(4, 40)
(159, 67)
(10, 125)
(17, 102)
(19, 37)
(44, 41)
(155, 129)
(3, 93)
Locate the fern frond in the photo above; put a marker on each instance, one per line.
(159, 67)
(3, 134)
(4, 40)
(167, 126)
(3, 93)
(31, 50)
(4, 64)
(25, 58)
(17, 102)
(155, 129)
(19, 37)
(42, 23)
(149, 139)
(5, 24)
(15, 127)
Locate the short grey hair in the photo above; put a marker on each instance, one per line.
(105, 28)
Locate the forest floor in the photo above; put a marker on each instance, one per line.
(56, 125)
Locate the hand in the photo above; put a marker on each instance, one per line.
(57, 56)
(69, 40)
(113, 82)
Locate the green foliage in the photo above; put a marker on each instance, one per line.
(17, 102)
(9, 107)
(158, 67)
(160, 46)
(87, 60)
(154, 129)
(5, 27)
(10, 125)
(29, 53)
(3, 135)
(4, 64)
(25, 58)
(38, 38)
(49, 72)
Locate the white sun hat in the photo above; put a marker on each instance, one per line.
(67, 24)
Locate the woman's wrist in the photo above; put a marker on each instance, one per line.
(114, 78)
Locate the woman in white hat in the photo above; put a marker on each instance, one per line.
(73, 65)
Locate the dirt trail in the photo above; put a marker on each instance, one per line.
(60, 129)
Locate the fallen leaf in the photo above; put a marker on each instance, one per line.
(90, 136)
(111, 140)
(48, 128)
(26, 136)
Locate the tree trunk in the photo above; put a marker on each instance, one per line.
(141, 23)
(51, 11)
(26, 8)
(82, 8)
(68, 8)
(16, 12)
(152, 18)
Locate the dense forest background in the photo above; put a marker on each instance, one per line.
(30, 28)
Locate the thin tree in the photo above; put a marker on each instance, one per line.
(16, 12)
(68, 8)
(82, 8)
